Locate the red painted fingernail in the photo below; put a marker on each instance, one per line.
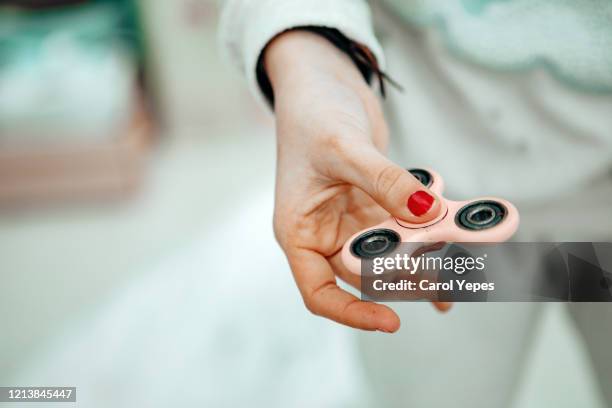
(420, 202)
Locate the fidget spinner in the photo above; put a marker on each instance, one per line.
(485, 219)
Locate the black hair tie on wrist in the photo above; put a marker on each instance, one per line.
(361, 56)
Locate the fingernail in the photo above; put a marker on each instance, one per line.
(384, 331)
(420, 202)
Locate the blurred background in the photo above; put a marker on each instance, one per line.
(125, 142)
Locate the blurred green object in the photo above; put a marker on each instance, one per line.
(67, 71)
(94, 21)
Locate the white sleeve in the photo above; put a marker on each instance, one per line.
(248, 25)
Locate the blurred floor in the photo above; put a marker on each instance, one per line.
(218, 323)
(58, 263)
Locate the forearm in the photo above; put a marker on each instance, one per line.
(247, 27)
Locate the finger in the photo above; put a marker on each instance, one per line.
(342, 272)
(323, 297)
(391, 186)
(443, 306)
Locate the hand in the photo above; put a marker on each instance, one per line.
(332, 179)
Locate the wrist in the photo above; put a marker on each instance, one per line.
(297, 56)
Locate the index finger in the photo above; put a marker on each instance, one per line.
(322, 296)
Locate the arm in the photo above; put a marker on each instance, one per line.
(332, 177)
(247, 26)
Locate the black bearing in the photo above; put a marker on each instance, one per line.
(375, 243)
(480, 215)
(422, 175)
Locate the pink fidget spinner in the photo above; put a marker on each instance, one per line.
(485, 219)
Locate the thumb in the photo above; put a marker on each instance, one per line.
(391, 186)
